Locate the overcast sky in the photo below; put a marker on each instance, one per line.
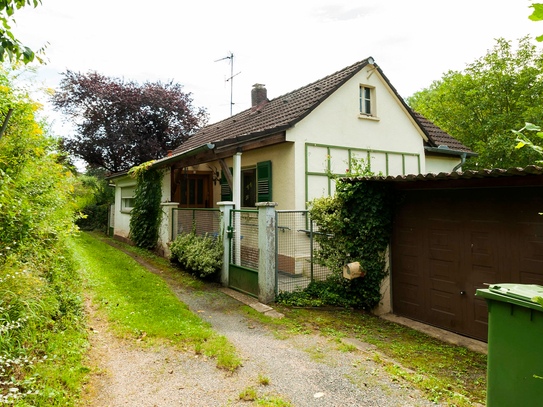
(282, 44)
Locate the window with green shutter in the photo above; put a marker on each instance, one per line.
(264, 181)
(226, 192)
(256, 185)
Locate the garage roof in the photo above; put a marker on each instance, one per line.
(466, 175)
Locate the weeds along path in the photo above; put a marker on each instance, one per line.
(289, 369)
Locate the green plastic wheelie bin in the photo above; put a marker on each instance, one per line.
(515, 345)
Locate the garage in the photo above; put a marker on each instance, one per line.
(455, 233)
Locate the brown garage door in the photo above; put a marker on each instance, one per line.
(448, 243)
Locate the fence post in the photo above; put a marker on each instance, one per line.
(266, 251)
(225, 208)
(166, 226)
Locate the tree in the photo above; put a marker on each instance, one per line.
(9, 45)
(121, 124)
(498, 92)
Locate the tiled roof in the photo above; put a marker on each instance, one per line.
(283, 112)
(437, 135)
(276, 115)
(445, 176)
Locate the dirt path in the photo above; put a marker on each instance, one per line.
(306, 370)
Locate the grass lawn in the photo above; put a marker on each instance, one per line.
(140, 305)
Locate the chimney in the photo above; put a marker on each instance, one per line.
(169, 153)
(259, 94)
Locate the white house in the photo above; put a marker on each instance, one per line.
(282, 149)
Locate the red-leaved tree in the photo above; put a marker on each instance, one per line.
(121, 124)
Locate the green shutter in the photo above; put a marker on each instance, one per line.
(226, 192)
(264, 181)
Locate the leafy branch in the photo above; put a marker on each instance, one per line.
(524, 141)
(9, 45)
(537, 15)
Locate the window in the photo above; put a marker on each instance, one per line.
(192, 190)
(365, 100)
(127, 198)
(367, 103)
(256, 185)
(248, 187)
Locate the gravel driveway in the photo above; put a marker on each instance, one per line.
(303, 369)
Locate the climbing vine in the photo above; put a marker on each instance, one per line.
(354, 225)
(146, 214)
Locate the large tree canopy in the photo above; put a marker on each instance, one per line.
(481, 105)
(121, 124)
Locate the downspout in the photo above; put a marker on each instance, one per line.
(463, 157)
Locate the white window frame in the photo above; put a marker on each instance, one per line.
(127, 198)
(362, 102)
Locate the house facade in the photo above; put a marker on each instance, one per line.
(284, 149)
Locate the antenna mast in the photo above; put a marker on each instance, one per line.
(231, 79)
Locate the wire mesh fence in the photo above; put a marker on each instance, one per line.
(244, 244)
(296, 247)
(203, 221)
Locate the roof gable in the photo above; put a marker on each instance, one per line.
(285, 111)
(277, 115)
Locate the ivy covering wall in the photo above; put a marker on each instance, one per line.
(355, 225)
(146, 214)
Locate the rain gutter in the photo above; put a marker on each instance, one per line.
(446, 150)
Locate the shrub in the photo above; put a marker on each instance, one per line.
(94, 217)
(92, 195)
(200, 255)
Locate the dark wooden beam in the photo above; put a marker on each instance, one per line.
(227, 173)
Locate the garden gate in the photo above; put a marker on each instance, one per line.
(244, 252)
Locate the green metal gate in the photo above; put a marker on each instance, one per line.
(243, 236)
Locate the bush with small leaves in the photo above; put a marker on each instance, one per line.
(200, 255)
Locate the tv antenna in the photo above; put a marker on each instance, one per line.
(231, 79)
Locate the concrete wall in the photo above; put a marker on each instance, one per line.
(122, 217)
(441, 164)
(338, 122)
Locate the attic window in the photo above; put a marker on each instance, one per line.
(365, 100)
(367, 104)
